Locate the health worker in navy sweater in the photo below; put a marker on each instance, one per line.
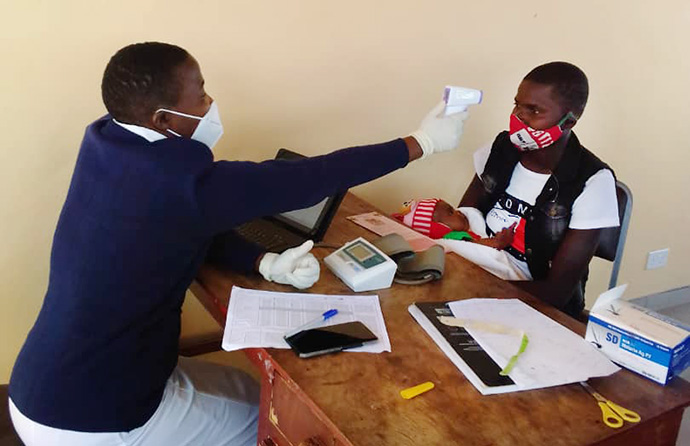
(147, 206)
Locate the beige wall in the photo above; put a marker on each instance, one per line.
(315, 76)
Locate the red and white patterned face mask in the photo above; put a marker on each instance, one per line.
(526, 138)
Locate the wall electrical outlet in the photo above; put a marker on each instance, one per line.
(657, 259)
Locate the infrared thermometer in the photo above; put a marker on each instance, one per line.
(458, 98)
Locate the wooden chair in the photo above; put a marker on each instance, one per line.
(8, 437)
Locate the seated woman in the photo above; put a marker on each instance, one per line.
(538, 177)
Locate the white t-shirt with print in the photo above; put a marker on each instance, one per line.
(596, 207)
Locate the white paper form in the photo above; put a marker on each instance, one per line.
(554, 354)
(261, 318)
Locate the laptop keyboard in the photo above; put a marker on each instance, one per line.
(270, 236)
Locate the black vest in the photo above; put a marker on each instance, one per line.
(548, 220)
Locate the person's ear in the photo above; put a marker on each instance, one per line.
(569, 121)
(160, 121)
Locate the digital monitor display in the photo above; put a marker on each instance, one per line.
(360, 252)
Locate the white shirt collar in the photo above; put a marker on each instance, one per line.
(147, 134)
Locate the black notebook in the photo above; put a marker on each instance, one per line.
(461, 349)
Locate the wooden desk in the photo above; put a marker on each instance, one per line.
(353, 399)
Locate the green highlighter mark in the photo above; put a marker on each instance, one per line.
(513, 359)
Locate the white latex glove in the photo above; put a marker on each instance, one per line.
(438, 133)
(295, 266)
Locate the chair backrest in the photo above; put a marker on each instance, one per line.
(612, 240)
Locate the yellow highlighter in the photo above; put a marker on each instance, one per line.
(412, 392)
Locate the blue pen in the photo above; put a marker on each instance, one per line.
(313, 323)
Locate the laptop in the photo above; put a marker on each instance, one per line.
(289, 229)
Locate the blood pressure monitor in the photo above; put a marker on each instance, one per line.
(362, 266)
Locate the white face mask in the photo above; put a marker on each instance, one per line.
(208, 131)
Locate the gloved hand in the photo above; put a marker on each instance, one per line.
(438, 133)
(295, 266)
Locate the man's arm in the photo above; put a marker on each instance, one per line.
(295, 266)
(501, 240)
(231, 251)
(567, 268)
(474, 193)
(273, 186)
(414, 150)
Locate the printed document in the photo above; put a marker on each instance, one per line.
(554, 355)
(261, 318)
(382, 225)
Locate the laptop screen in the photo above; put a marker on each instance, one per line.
(312, 221)
(305, 219)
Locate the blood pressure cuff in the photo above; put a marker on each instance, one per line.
(413, 268)
(394, 246)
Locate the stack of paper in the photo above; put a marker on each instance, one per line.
(554, 355)
(261, 318)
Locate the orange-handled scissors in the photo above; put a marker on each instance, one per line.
(613, 414)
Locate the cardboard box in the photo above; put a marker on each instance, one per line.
(637, 338)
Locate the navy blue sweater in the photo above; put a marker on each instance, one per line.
(137, 223)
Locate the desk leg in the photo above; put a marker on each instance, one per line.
(267, 373)
(286, 416)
